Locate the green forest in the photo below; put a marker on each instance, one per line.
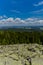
(12, 37)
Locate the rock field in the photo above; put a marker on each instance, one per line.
(21, 54)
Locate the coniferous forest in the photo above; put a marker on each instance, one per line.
(12, 37)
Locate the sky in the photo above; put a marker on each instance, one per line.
(21, 12)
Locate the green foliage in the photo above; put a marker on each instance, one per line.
(12, 37)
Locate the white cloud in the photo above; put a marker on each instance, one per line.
(2, 17)
(20, 22)
(37, 12)
(15, 11)
(34, 21)
(40, 21)
(38, 4)
(29, 19)
(10, 19)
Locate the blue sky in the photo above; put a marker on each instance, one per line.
(21, 11)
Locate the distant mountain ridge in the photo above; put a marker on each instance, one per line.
(22, 27)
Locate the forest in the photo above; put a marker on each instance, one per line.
(8, 37)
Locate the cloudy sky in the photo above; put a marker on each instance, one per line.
(21, 12)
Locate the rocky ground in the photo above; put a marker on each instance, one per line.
(21, 54)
